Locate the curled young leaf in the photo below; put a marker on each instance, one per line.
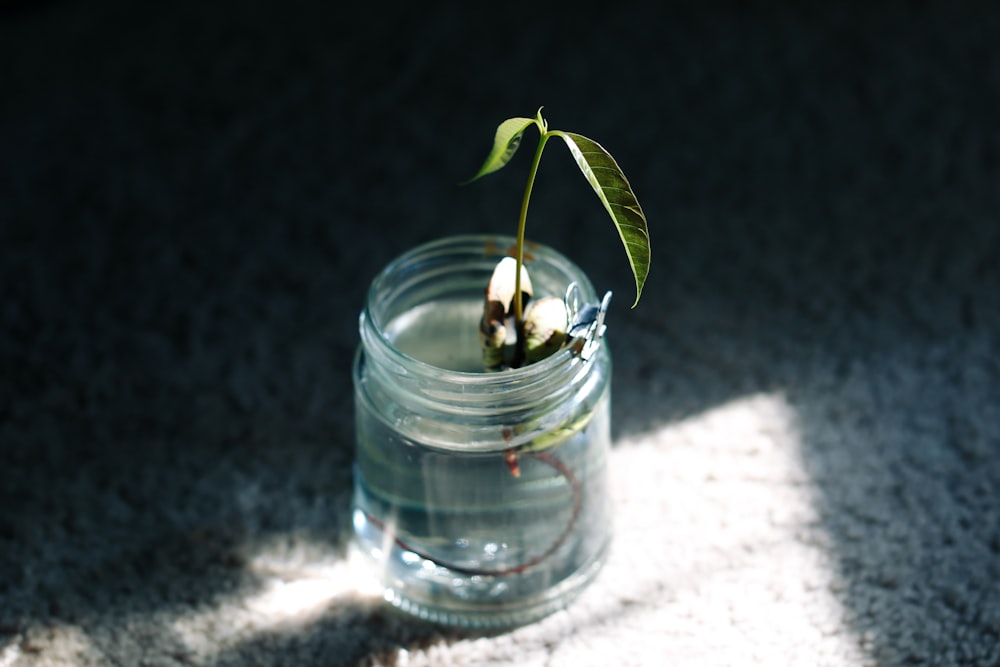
(614, 191)
(505, 144)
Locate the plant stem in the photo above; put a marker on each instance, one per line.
(518, 305)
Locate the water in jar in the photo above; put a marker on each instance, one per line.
(458, 537)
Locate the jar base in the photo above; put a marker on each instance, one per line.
(488, 615)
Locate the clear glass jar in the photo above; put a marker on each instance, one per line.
(480, 498)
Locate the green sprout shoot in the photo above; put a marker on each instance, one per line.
(610, 186)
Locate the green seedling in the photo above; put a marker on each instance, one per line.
(541, 331)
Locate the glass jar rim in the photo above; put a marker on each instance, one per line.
(374, 331)
(541, 394)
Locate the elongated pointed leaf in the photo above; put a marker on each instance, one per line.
(505, 144)
(614, 191)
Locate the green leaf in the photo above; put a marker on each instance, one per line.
(614, 191)
(505, 144)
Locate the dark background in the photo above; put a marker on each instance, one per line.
(194, 196)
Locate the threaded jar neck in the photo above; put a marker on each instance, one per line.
(502, 409)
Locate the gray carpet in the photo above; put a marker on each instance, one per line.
(807, 401)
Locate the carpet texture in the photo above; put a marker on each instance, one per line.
(806, 418)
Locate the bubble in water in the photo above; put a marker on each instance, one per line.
(499, 588)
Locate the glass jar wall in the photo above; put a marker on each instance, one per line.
(480, 497)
